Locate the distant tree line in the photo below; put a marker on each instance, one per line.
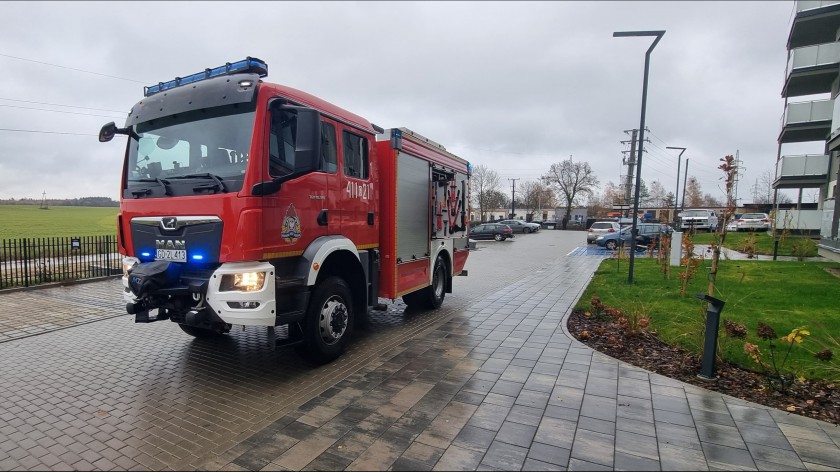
(84, 201)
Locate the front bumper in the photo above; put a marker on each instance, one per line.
(251, 308)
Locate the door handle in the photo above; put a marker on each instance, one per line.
(322, 217)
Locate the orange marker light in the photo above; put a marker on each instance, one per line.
(315, 266)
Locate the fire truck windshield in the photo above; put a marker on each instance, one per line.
(211, 144)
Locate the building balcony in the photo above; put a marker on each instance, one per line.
(816, 22)
(806, 121)
(811, 70)
(803, 171)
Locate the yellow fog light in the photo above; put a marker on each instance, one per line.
(243, 282)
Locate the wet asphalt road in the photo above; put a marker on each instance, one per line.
(114, 394)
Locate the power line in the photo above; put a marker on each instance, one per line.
(60, 105)
(45, 132)
(73, 68)
(57, 111)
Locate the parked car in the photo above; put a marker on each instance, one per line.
(647, 233)
(519, 226)
(599, 228)
(753, 222)
(732, 226)
(699, 219)
(496, 231)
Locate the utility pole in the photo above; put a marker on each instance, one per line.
(513, 199)
(631, 165)
(737, 173)
(685, 180)
(679, 158)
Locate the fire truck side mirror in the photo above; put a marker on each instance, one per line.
(307, 141)
(107, 132)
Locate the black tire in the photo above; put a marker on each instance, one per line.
(329, 321)
(526, 230)
(432, 296)
(498, 237)
(200, 333)
(611, 245)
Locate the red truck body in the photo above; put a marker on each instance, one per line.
(246, 202)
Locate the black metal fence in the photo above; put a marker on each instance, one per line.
(32, 261)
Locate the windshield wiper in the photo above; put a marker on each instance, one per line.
(143, 191)
(218, 184)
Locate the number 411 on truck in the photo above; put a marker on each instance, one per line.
(250, 203)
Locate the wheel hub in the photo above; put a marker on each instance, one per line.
(333, 322)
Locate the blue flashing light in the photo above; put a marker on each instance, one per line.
(249, 64)
(197, 257)
(146, 254)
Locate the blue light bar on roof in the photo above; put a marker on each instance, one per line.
(249, 64)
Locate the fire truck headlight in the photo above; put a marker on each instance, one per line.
(244, 282)
(128, 263)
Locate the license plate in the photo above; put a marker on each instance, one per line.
(175, 255)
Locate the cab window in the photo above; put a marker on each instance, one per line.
(281, 152)
(329, 152)
(355, 155)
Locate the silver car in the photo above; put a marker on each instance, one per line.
(753, 222)
(600, 228)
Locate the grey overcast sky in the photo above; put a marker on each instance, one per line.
(515, 86)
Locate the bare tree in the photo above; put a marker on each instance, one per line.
(537, 195)
(572, 180)
(656, 195)
(599, 204)
(483, 182)
(693, 194)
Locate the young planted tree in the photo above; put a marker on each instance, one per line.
(572, 180)
(730, 172)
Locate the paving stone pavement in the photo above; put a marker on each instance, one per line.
(491, 384)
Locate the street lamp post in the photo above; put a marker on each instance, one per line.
(658, 35)
(677, 193)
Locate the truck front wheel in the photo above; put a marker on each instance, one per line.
(329, 321)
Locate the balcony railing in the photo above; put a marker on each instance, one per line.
(808, 112)
(806, 165)
(803, 5)
(811, 56)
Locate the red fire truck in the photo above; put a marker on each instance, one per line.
(250, 203)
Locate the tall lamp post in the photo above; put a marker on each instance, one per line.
(677, 193)
(658, 35)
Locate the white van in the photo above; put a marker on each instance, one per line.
(699, 219)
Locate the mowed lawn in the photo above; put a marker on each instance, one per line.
(29, 221)
(783, 294)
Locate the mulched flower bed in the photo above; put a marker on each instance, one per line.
(820, 400)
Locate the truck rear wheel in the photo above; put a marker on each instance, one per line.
(433, 295)
(329, 321)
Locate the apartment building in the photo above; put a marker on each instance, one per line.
(812, 115)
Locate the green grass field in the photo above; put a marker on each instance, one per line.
(763, 242)
(785, 295)
(29, 221)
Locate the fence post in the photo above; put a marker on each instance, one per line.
(25, 262)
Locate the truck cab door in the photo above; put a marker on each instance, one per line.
(359, 197)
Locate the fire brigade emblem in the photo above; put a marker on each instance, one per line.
(290, 230)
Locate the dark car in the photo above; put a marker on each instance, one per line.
(495, 231)
(519, 226)
(647, 233)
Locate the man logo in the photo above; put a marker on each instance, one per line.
(169, 223)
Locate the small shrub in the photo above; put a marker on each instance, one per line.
(749, 245)
(802, 248)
